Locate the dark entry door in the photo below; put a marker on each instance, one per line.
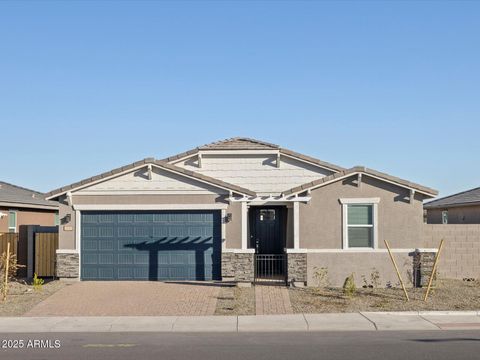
(267, 233)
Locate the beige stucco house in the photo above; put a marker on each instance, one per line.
(21, 207)
(238, 209)
(460, 208)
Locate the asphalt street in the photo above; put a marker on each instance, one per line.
(438, 345)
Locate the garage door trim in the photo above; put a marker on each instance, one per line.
(78, 220)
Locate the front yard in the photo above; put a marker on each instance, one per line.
(447, 295)
(236, 301)
(22, 297)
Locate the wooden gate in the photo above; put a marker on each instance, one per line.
(46, 245)
(6, 238)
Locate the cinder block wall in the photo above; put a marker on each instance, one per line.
(460, 256)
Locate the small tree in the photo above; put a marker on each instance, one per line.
(7, 272)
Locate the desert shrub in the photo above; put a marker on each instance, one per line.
(373, 282)
(349, 287)
(13, 267)
(37, 282)
(375, 278)
(321, 276)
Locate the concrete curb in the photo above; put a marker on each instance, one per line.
(362, 321)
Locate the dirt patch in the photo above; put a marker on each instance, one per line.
(234, 300)
(22, 297)
(447, 295)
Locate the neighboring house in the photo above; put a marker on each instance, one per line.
(238, 209)
(461, 208)
(20, 207)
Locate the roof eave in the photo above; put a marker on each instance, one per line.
(25, 205)
(368, 172)
(451, 205)
(139, 164)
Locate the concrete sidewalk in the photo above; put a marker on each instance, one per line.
(365, 321)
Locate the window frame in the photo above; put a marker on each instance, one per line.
(14, 228)
(360, 201)
(445, 217)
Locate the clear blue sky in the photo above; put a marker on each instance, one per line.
(88, 86)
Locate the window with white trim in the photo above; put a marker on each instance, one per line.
(445, 217)
(12, 221)
(360, 223)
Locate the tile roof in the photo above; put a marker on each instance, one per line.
(146, 161)
(13, 194)
(468, 197)
(364, 170)
(244, 143)
(239, 143)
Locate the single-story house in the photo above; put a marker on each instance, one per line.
(238, 209)
(20, 207)
(460, 208)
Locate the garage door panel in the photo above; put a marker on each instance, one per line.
(181, 245)
(125, 259)
(141, 259)
(106, 244)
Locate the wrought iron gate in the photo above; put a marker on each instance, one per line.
(271, 268)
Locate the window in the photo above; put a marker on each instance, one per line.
(267, 214)
(57, 219)
(445, 217)
(360, 223)
(360, 226)
(12, 221)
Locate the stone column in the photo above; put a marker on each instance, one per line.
(238, 267)
(297, 269)
(67, 265)
(422, 267)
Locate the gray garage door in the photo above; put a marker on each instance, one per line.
(150, 245)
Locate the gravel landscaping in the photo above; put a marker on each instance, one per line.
(22, 297)
(447, 295)
(234, 300)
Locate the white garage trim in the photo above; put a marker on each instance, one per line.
(78, 224)
(96, 207)
(78, 232)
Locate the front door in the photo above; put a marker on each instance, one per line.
(266, 229)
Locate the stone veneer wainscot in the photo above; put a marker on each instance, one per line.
(67, 265)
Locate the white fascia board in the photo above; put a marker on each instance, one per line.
(95, 207)
(132, 170)
(356, 173)
(82, 186)
(28, 206)
(309, 162)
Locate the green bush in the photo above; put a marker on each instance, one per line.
(349, 288)
(37, 282)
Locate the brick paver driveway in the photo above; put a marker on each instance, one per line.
(124, 298)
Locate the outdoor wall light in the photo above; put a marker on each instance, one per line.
(229, 217)
(66, 219)
(2, 215)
